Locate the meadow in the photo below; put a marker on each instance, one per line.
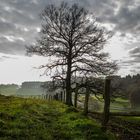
(36, 119)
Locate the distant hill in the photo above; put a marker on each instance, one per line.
(9, 89)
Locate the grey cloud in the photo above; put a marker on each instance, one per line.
(20, 18)
(6, 27)
(125, 64)
(137, 67)
(15, 48)
(135, 56)
(8, 57)
(135, 70)
(135, 51)
(5, 57)
(8, 47)
(15, 15)
(134, 61)
(128, 20)
(124, 14)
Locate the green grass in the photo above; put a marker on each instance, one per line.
(116, 105)
(32, 119)
(135, 120)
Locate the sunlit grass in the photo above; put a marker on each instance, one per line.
(131, 119)
(35, 119)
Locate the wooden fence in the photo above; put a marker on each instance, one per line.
(106, 111)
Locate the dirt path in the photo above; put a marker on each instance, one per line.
(123, 129)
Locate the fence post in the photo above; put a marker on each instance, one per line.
(75, 97)
(106, 112)
(86, 102)
(61, 96)
(46, 96)
(49, 97)
(64, 94)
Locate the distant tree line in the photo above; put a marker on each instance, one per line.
(124, 85)
(127, 87)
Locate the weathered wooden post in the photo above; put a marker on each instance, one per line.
(75, 98)
(86, 102)
(76, 95)
(64, 94)
(56, 97)
(46, 97)
(49, 97)
(61, 96)
(106, 112)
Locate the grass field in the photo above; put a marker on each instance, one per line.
(116, 105)
(32, 119)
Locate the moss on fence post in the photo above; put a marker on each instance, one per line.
(61, 96)
(76, 95)
(86, 101)
(64, 97)
(106, 112)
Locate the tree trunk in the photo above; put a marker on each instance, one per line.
(68, 90)
(106, 104)
(86, 102)
(68, 80)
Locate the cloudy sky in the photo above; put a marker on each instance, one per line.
(20, 26)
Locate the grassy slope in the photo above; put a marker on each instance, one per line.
(29, 119)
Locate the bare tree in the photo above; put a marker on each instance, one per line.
(71, 35)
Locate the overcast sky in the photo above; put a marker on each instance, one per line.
(20, 26)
